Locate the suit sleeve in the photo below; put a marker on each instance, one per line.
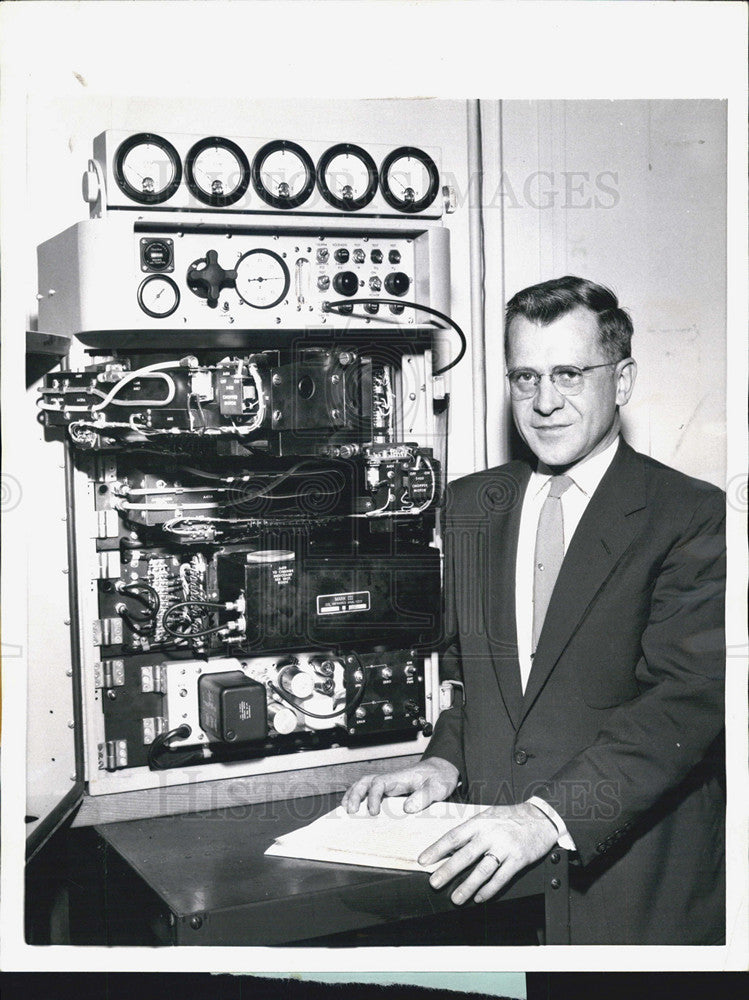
(651, 744)
(447, 739)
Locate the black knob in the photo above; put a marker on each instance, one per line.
(346, 283)
(206, 278)
(341, 255)
(376, 256)
(394, 256)
(397, 283)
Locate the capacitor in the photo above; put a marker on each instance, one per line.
(296, 682)
(282, 719)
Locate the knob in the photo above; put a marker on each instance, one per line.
(376, 256)
(325, 667)
(386, 673)
(397, 283)
(361, 713)
(397, 310)
(372, 307)
(341, 255)
(346, 283)
(325, 685)
(375, 284)
(206, 278)
(323, 282)
(394, 256)
(322, 255)
(387, 708)
(359, 256)
(282, 719)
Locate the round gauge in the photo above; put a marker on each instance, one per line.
(158, 296)
(408, 179)
(217, 171)
(262, 278)
(283, 174)
(347, 177)
(147, 168)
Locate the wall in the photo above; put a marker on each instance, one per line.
(631, 194)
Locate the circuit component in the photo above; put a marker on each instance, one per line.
(232, 707)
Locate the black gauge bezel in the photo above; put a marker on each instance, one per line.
(144, 197)
(257, 165)
(167, 280)
(217, 200)
(431, 168)
(284, 267)
(355, 204)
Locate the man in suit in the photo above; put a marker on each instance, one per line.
(584, 619)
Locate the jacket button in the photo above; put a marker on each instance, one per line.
(520, 756)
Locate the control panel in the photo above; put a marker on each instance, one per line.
(257, 444)
(106, 275)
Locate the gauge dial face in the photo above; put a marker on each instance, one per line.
(409, 179)
(158, 296)
(147, 168)
(217, 171)
(262, 278)
(283, 174)
(347, 177)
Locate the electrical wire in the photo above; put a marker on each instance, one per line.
(161, 742)
(337, 305)
(350, 707)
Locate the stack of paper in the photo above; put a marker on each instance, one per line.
(392, 839)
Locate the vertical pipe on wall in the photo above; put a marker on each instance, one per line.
(477, 271)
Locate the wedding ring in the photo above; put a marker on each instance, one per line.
(494, 857)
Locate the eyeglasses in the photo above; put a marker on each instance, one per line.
(566, 379)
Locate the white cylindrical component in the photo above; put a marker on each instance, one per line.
(282, 718)
(296, 682)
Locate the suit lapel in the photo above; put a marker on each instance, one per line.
(605, 532)
(499, 594)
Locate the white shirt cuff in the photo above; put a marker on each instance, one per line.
(564, 839)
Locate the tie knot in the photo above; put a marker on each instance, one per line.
(559, 485)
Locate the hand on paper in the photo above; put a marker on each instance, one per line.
(515, 835)
(431, 780)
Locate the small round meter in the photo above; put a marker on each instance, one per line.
(158, 296)
(283, 174)
(408, 179)
(262, 278)
(147, 168)
(217, 171)
(347, 177)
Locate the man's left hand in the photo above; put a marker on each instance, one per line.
(502, 839)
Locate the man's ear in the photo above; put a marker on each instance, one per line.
(626, 375)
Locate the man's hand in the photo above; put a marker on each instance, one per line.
(431, 780)
(516, 836)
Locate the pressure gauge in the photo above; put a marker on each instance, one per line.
(217, 171)
(347, 177)
(408, 179)
(262, 278)
(147, 168)
(158, 296)
(283, 174)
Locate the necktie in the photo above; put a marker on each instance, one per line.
(549, 552)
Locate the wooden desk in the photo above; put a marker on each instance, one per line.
(216, 887)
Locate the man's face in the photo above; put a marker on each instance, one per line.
(562, 430)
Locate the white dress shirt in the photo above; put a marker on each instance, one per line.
(585, 476)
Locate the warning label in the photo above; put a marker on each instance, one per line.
(337, 604)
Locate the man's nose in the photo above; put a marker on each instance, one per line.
(548, 398)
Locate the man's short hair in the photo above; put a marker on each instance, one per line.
(549, 300)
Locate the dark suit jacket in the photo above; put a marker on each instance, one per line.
(620, 728)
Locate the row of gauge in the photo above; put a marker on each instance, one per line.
(149, 170)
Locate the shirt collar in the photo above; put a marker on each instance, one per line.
(586, 474)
